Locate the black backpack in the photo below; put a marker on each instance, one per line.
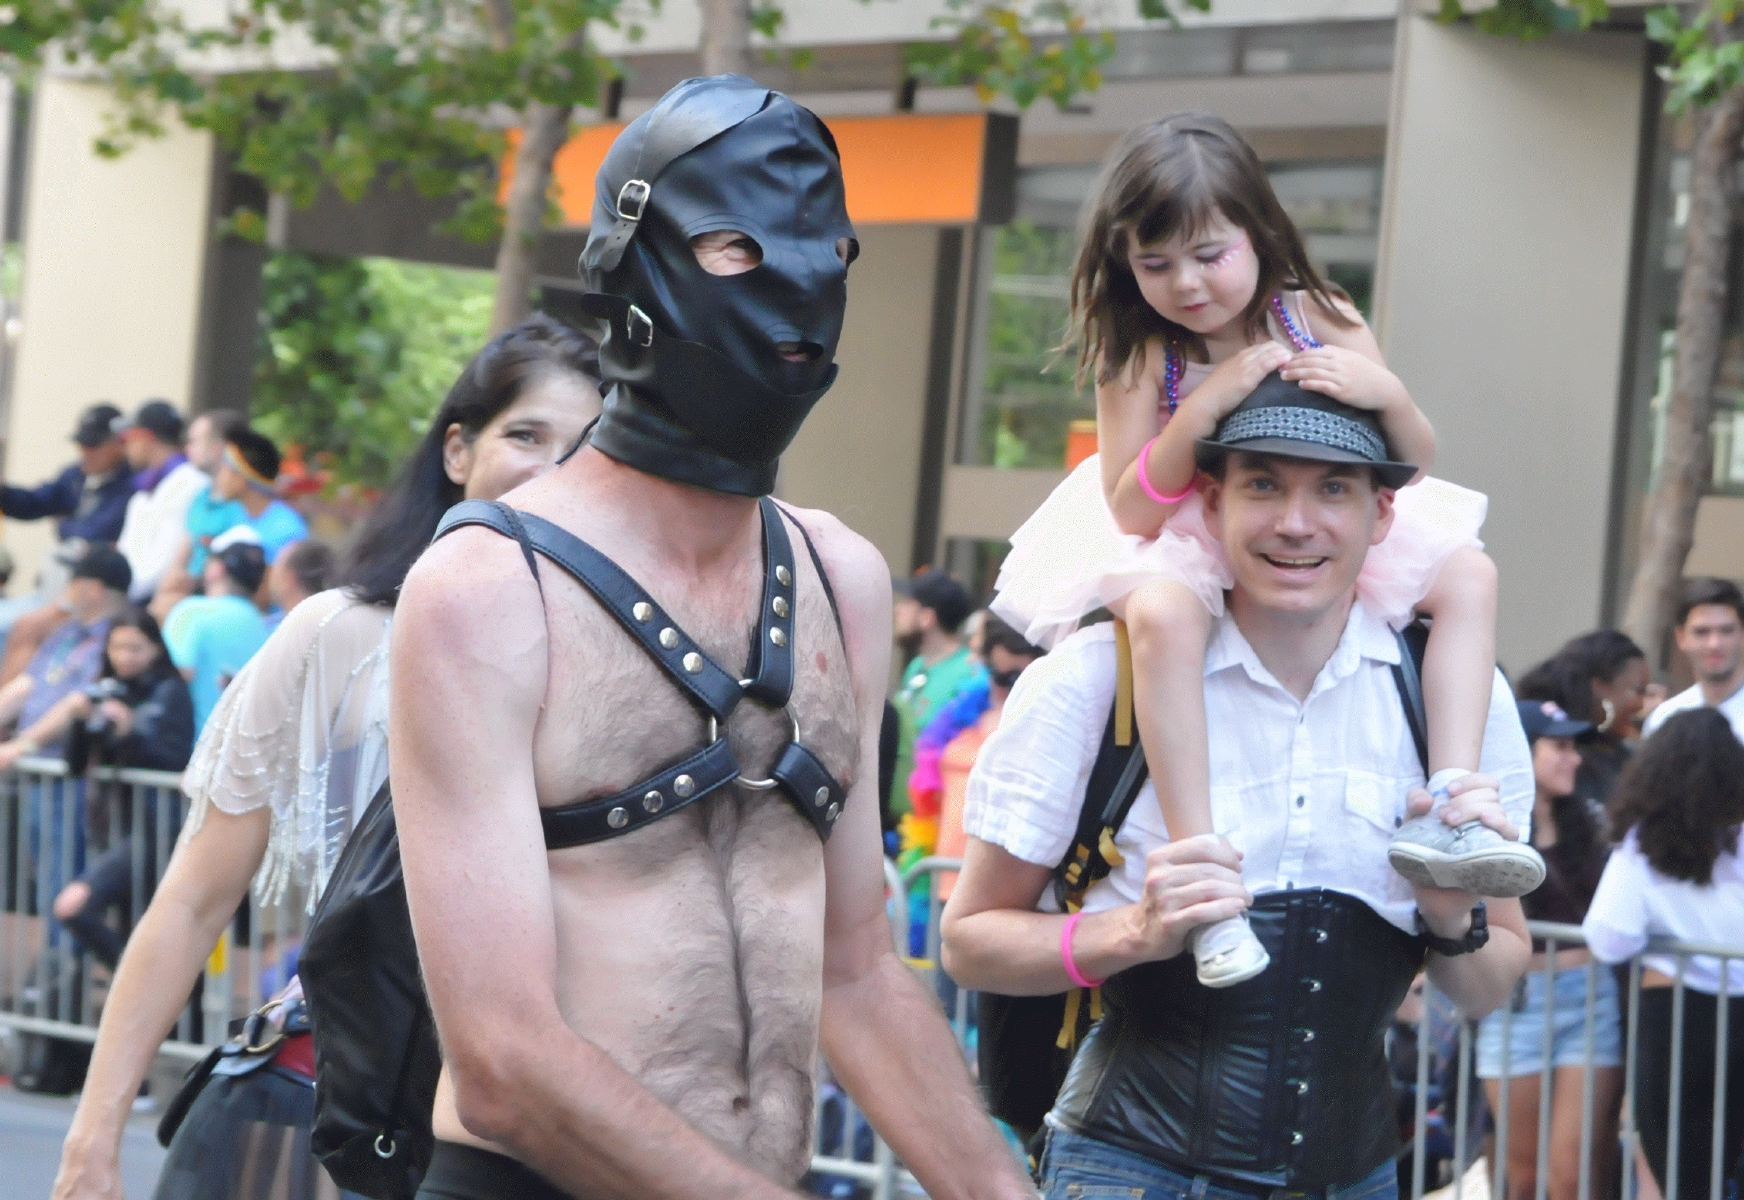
(1026, 1043)
(377, 1059)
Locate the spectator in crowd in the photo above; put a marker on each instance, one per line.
(212, 637)
(11, 607)
(298, 744)
(1676, 873)
(246, 474)
(237, 496)
(1511, 1044)
(207, 516)
(1710, 633)
(145, 719)
(69, 660)
(303, 570)
(163, 489)
(90, 497)
(929, 613)
(945, 751)
(1600, 678)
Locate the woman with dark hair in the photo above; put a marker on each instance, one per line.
(1602, 678)
(138, 714)
(1676, 873)
(1512, 1044)
(291, 756)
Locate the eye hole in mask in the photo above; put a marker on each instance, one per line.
(848, 249)
(726, 252)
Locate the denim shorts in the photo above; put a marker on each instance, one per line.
(1568, 1026)
(1076, 1167)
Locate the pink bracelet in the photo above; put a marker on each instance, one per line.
(1144, 480)
(1072, 971)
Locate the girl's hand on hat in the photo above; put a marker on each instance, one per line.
(1236, 377)
(1346, 376)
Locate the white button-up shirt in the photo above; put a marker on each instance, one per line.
(1310, 791)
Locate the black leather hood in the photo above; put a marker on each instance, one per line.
(699, 392)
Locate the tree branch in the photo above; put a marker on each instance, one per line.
(1668, 530)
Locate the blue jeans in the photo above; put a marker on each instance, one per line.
(1076, 1167)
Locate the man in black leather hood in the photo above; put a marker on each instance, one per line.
(1278, 1085)
(636, 794)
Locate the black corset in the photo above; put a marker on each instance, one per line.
(1280, 1082)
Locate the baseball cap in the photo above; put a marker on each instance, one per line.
(244, 561)
(160, 419)
(935, 589)
(1546, 718)
(1281, 418)
(105, 564)
(97, 425)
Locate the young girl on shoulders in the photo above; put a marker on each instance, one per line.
(1191, 286)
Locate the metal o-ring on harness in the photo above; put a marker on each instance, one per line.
(756, 785)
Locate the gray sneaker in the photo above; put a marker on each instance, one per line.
(1473, 857)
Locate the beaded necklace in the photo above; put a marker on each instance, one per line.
(1174, 365)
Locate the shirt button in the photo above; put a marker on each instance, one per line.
(1301, 800)
(1296, 1138)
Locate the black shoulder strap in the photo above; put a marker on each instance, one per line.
(1116, 778)
(643, 619)
(1408, 676)
(771, 665)
(823, 575)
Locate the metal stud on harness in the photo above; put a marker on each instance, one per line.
(797, 773)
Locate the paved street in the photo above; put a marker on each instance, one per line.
(31, 1128)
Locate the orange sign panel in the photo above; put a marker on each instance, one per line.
(953, 169)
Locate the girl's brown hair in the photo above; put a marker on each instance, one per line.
(1683, 795)
(1164, 178)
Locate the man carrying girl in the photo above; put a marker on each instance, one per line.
(1191, 286)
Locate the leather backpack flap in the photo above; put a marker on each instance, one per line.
(376, 1054)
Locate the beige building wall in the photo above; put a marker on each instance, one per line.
(858, 455)
(114, 252)
(1505, 253)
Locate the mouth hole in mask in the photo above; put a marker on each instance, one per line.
(726, 252)
(799, 352)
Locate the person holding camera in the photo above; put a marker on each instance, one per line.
(138, 714)
(47, 698)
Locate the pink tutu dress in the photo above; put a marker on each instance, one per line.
(1070, 558)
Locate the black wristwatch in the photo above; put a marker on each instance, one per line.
(1475, 938)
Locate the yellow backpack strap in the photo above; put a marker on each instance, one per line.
(1122, 685)
(1069, 1027)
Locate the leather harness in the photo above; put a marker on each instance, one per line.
(797, 774)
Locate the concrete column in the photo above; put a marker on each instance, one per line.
(114, 256)
(1500, 300)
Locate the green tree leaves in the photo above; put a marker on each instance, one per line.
(356, 354)
(1022, 51)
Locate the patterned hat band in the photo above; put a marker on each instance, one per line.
(1314, 425)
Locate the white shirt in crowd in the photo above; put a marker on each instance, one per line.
(1732, 708)
(1634, 902)
(1309, 791)
(155, 524)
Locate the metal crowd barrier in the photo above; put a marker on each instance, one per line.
(55, 827)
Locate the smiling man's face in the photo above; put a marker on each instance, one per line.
(1296, 532)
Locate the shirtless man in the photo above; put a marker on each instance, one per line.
(640, 1016)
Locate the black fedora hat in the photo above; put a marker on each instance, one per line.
(1283, 419)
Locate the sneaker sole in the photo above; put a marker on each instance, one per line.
(1502, 873)
(1240, 970)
